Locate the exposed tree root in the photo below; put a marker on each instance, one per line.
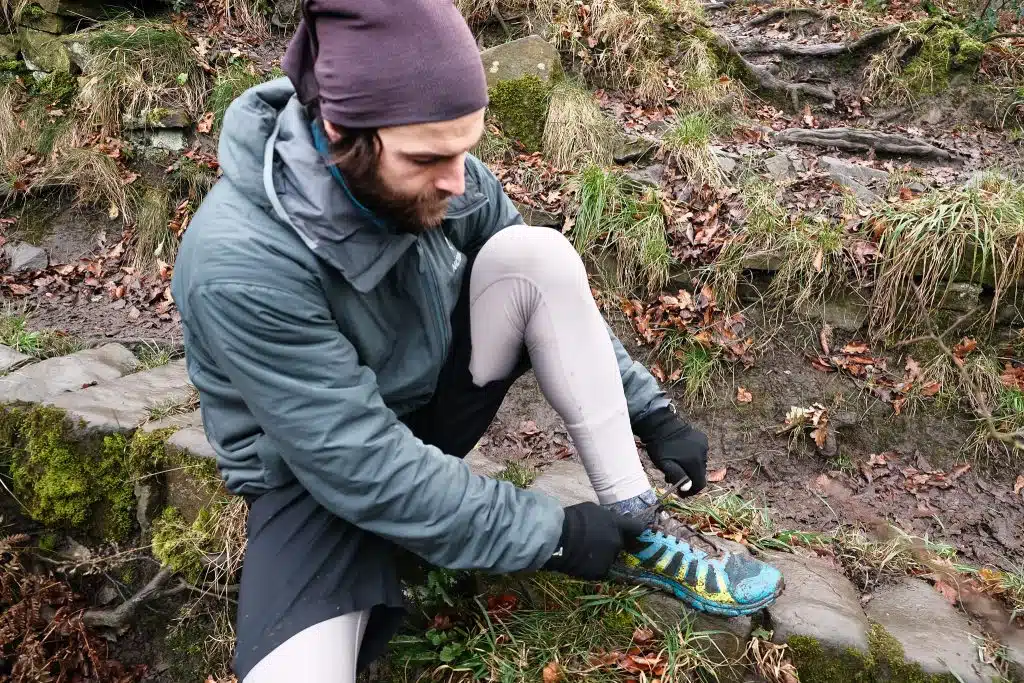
(868, 40)
(712, 6)
(766, 80)
(997, 36)
(780, 12)
(859, 140)
(120, 617)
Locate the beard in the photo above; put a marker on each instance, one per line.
(407, 213)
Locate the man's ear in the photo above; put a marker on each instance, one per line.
(333, 134)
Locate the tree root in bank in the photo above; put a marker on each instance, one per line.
(122, 615)
(860, 140)
(868, 40)
(781, 12)
(766, 80)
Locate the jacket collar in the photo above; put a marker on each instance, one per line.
(311, 196)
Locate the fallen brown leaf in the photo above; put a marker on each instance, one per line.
(205, 124)
(716, 476)
(1018, 485)
(819, 260)
(931, 389)
(642, 636)
(552, 672)
(906, 194)
(947, 591)
(743, 396)
(965, 346)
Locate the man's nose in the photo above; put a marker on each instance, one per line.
(453, 178)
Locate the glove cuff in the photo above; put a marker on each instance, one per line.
(658, 424)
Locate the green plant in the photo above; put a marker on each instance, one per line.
(688, 146)
(239, 76)
(135, 66)
(152, 356)
(177, 406)
(616, 217)
(697, 366)
(154, 239)
(39, 344)
(191, 179)
(519, 474)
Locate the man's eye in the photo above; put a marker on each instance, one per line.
(423, 162)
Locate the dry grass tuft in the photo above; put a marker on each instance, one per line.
(11, 139)
(700, 86)
(972, 233)
(493, 147)
(248, 16)
(137, 67)
(621, 43)
(577, 133)
(153, 237)
(95, 177)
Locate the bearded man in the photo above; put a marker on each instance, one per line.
(358, 295)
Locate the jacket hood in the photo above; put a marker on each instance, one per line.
(267, 151)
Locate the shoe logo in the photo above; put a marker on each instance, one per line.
(558, 553)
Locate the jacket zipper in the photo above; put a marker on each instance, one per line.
(444, 333)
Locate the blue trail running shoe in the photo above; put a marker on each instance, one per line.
(717, 582)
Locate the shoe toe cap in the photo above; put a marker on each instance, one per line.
(760, 587)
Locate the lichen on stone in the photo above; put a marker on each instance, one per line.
(520, 107)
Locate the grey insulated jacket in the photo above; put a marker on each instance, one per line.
(310, 328)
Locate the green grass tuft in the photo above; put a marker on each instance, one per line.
(519, 474)
(616, 217)
(231, 82)
(688, 146)
(39, 344)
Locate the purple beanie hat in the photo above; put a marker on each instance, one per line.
(382, 63)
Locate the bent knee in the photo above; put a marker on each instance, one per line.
(542, 255)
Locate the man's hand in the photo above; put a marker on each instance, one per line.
(676, 448)
(592, 537)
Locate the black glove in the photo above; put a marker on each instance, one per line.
(592, 537)
(676, 448)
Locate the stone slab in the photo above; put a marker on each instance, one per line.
(933, 633)
(9, 358)
(192, 440)
(482, 465)
(529, 56)
(124, 404)
(819, 603)
(780, 167)
(1013, 644)
(22, 256)
(567, 482)
(58, 376)
(838, 167)
(45, 52)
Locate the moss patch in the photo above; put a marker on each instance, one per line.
(177, 544)
(946, 50)
(884, 661)
(817, 664)
(68, 483)
(520, 107)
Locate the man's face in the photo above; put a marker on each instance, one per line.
(421, 166)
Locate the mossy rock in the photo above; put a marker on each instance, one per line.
(520, 108)
(946, 53)
(885, 662)
(44, 52)
(520, 77)
(34, 16)
(65, 481)
(10, 46)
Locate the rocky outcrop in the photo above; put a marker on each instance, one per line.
(520, 77)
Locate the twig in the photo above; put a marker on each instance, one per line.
(120, 616)
(501, 20)
(997, 36)
(869, 39)
(780, 12)
(929, 337)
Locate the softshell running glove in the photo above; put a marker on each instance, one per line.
(676, 448)
(592, 537)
